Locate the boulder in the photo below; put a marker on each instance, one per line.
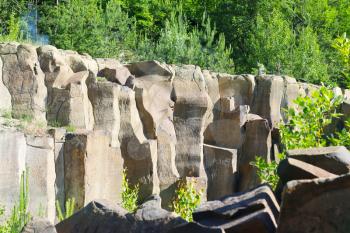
(112, 70)
(268, 97)
(40, 163)
(334, 159)
(293, 169)
(105, 217)
(150, 217)
(139, 153)
(291, 92)
(93, 169)
(104, 99)
(39, 225)
(24, 79)
(80, 62)
(194, 227)
(98, 217)
(192, 104)
(221, 169)
(12, 156)
(254, 211)
(316, 205)
(257, 143)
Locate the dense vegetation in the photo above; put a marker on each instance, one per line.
(293, 37)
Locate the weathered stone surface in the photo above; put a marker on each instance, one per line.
(105, 217)
(112, 70)
(194, 227)
(105, 104)
(24, 79)
(316, 206)
(257, 143)
(293, 169)
(335, 159)
(291, 92)
(268, 98)
(153, 87)
(93, 169)
(254, 211)
(71, 105)
(221, 169)
(98, 217)
(12, 156)
(140, 154)
(39, 225)
(190, 110)
(230, 111)
(5, 100)
(59, 136)
(80, 62)
(40, 162)
(150, 217)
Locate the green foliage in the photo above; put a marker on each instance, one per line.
(69, 209)
(19, 216)
(6, 113)
(70, 128)
(267, 172)
(178, 44)
(129, 194)
(307, 123)
(342, 137)
(342, 45)
(101, 79)
(187, 200)
(13, 29)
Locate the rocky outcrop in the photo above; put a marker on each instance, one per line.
(39, 225)
(163, 123)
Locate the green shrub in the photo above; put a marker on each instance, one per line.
(6, 113)
(267, 172)
(342, 45)
(306, 124)
(129, 194)
(70, 128)
(19, 216)
(69, 209)
(187, 200)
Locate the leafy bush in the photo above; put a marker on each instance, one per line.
(306, 124)
(129, 194)
(267, 172)
(342, 45)
(69, 209)
(19, 216)
(13, 29)
(187, 200)
(70, 128)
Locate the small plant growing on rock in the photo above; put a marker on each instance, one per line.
(129, 194)
(19, 216)
(69, 206)
(101, 79)
(187, 200)
(70, 128)
(267, 172)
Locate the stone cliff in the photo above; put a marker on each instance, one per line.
(161, 122)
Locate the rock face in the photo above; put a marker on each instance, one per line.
(24, 80)
(162, 123)
(315, 206)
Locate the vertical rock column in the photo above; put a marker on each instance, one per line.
(140, 154)
(12, 157)
(24, 79)
(92, 169)
(153, 87)
(40, 162)
(5, 100)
